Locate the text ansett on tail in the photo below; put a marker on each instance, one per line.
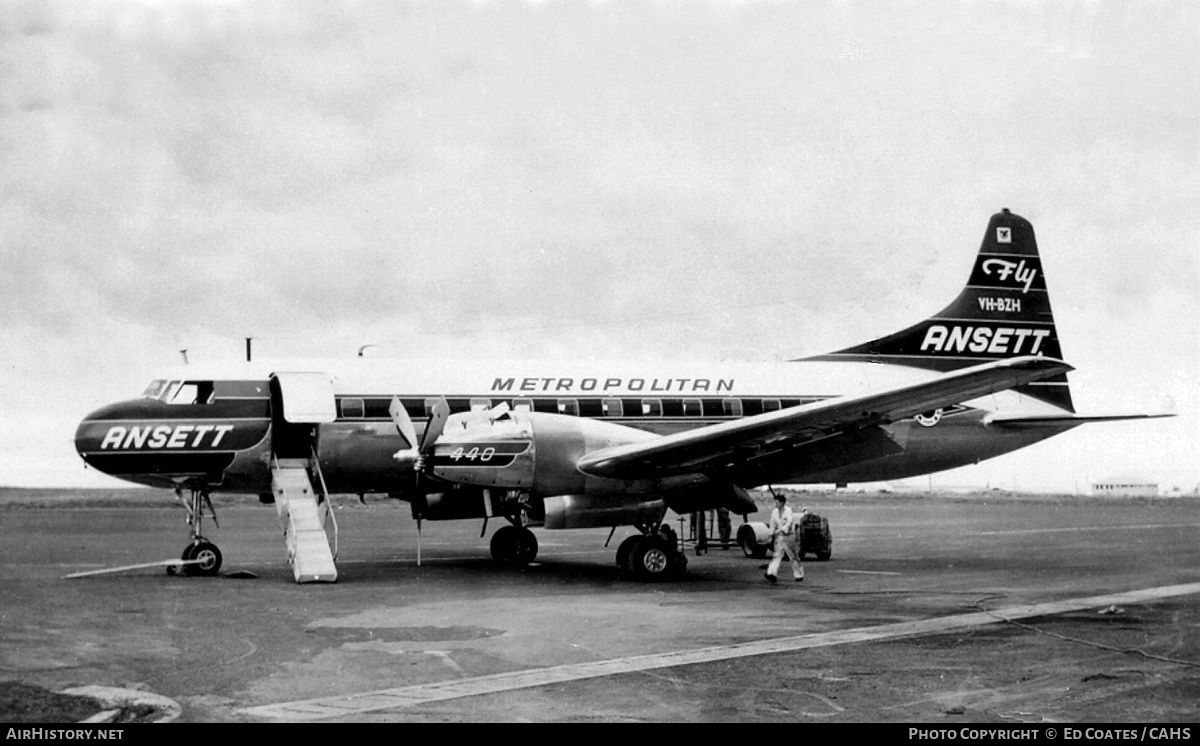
(1000, 340)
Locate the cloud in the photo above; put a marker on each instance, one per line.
(749, 180)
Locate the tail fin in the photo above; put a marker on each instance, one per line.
(1004, 311)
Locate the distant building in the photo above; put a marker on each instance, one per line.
(1125, 487)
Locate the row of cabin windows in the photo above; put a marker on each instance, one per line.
(202, 392)
(357, 408)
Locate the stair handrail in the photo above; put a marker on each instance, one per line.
(328, 504)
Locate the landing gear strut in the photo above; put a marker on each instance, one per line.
(201, 555)
(652, 557)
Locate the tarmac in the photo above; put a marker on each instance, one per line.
(991, 608)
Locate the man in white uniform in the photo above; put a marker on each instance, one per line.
(784, 537)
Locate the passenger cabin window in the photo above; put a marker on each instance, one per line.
(154, 389)
(193, 392)
(612, 407)
(241, 389)
(526, 404)
(692, 408)
(732, 407)
(481, 405)
(770, 405)
(568, 406)
(352, 408)
(652, 407)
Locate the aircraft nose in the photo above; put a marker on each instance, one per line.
(92, 431)
(89, 434)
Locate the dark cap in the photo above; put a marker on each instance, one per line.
(781, 498)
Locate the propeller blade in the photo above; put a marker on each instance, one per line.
(437, 423)
(401, 419)
(415, 455)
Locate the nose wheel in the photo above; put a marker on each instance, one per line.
(201, 556)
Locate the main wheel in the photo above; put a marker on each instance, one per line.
(625, 552)
(653, 559)
(504, 545)
(513, 546)
(208, 555)
(527, 546)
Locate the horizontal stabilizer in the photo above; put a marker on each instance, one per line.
(1065, 418)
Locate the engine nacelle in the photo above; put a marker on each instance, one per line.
(535, 452)
(594, 511)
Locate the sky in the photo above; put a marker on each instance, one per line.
(749, 181)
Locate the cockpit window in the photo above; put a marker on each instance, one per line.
(192, 392)
(154, 389)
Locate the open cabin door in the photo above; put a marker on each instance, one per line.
(300, 403)
(304, 398)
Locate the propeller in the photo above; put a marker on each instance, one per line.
(416, 453)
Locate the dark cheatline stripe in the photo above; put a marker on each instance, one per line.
(158, 462)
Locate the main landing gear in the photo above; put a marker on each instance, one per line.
(514, 546)
(201, 556)
(652, 557)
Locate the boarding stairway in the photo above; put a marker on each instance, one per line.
(303, 513)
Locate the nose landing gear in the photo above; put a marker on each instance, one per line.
(201, 556)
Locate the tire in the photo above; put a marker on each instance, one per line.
(504, 545)
(625, 551)
(209, 556)
(654, 560)
(513, 547)
(527, 546)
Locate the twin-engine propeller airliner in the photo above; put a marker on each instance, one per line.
(562, 445)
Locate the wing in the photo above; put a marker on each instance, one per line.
(729, 443)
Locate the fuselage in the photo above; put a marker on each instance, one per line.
(219, 427)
